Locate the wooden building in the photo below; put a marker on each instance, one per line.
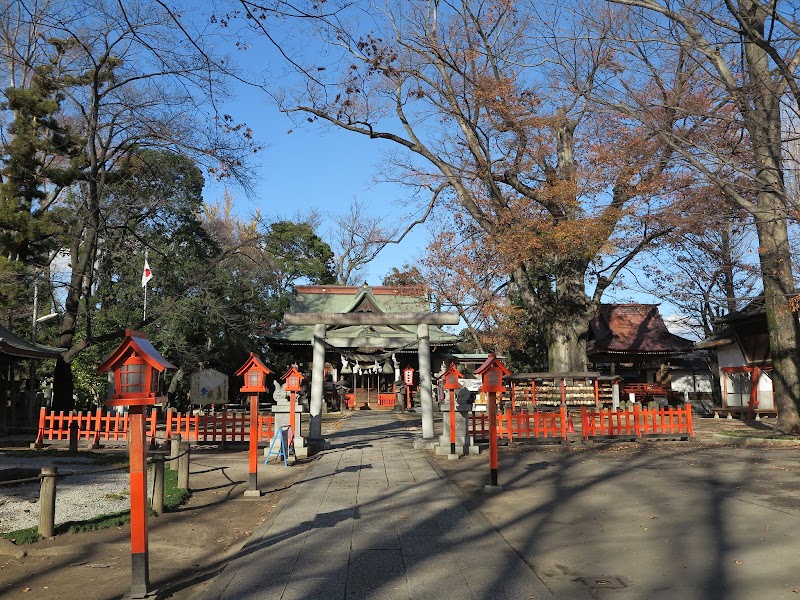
(17, 393)
(745, 360)
(632, 341)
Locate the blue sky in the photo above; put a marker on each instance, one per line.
(318, 168)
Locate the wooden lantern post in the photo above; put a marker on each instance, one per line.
(451, 377)
(492, 372)
(255, 374)
(137, 368)
(408, 379)
(292, 377)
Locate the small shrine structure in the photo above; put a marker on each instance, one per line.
(363, 337)
(632, 341)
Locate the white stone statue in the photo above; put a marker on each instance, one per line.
(279, 395)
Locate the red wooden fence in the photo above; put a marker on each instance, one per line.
(92, 425)
(218, 427)
(549, 425)
(97, 426)
(637, 422)
(387, 399)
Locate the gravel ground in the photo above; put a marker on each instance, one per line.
(78, 497)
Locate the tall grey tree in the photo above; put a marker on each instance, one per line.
(749, 51)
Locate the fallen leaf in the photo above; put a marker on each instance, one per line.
(738, 562)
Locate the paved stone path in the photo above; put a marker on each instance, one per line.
(372, 518)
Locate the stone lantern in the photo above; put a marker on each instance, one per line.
(138, 382)
(254, 372)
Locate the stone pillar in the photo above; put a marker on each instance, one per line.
(317, 380)
(425, 396)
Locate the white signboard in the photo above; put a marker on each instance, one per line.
(473, 385)
(209, 387)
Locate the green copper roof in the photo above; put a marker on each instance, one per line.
(347, 299)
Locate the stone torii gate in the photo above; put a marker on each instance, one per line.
(321, 321)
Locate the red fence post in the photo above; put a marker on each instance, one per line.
(39, 443)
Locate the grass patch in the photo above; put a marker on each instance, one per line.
(23, 536)
(173, 495)
(173, 498)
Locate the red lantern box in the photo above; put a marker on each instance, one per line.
(492, 372)
(408, 376)
(293, 377)
(255, 374)
(138, 369)
(451, 377)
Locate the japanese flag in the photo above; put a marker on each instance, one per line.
(147, 274)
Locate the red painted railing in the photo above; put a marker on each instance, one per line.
(92, 425)
(637, 422)
(98, 426)
(218, 427)
(387, 399)
(549, 425)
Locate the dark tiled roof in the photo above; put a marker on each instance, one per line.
(632, 329)
(13, 345)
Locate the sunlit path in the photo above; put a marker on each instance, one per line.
(373, 519)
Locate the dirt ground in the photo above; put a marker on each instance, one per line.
(187, 548)
(190, 547)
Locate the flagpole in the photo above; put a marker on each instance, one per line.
(145, 279)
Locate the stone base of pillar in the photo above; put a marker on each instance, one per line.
(314, 446)
(425, 444)
(492, 489)
(440, 449)
(252, 493)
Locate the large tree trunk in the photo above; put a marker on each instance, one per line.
(82, 256)
(784, 332)
(763, 123)
(63, 386)
(563, 315)
(568, 328)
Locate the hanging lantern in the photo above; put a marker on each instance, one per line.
(346, 369)
(388, 369)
